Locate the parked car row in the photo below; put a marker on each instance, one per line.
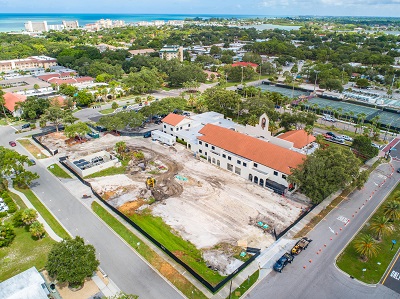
(333, 137)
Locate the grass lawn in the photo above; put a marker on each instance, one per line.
(151, 256)
(185, 250)
(236, 294)
(23, 253)
(47, 216)
(58, 171)
(349, 260)
(33, 149)
(18, 200)
(3, 122)
(107, 172)
(107, 111)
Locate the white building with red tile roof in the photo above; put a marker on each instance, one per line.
(300, 138)
(257, 160)
(11, 100)
(251, 152)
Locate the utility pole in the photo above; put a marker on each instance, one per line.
(260, 71)
(242, 78)
(316, 78)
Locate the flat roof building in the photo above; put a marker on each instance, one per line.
(26, 285)
(169, 52)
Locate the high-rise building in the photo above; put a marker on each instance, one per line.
(36, 26)
(70, 24)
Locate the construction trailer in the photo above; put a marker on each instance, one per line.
(163, 137)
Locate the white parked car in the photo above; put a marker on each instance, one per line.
(347, 138)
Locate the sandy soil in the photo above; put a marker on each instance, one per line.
(205, 205)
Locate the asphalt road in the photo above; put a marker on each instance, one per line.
(130, 273)
(392, 276)
(320, 278)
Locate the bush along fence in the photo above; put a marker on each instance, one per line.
(210, 287)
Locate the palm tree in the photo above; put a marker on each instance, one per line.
(37, 229)
(366, 246)
(391, 210)
(272, 126)
(381, 227)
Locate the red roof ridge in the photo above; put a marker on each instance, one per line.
(173, 119)
(259, 151)
(300, 138)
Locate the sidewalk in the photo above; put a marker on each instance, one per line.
(47, 227)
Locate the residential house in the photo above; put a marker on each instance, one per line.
(11, 100)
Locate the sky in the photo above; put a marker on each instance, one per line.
(233, 7)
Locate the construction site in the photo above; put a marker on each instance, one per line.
(217, 211)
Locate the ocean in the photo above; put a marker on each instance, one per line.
(15, 22)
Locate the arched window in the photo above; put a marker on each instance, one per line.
(250, 177)
(261, 183)
(256, 180)
(213, 160)
(218, 163)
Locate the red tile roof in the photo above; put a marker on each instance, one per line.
(11, 99)
(173, 119)
(253, 65)
(251, 148)
(299, 138)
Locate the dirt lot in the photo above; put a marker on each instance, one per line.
(205, 205)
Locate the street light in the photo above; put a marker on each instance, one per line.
(316, 77)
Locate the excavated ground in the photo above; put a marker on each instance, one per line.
(206, 205)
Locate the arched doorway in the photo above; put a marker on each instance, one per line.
(250, 177)
(261, 183)
(218, 163)
(256, 180)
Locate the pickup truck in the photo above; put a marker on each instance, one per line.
(283, 261)
(301, 245)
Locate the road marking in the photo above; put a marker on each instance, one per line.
(376, 184)
(331, 230)
(390, 270)
(343, 219)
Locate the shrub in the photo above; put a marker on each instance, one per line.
(17, 219)
(7, 234)
(114, 105)
(181, 141)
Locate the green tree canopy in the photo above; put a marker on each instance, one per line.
(72, 261)
(363, 146)
(13, 164)
(79, 129)
(326, 171)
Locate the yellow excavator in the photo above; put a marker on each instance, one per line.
(150, 182)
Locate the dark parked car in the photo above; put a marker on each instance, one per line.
(32, 161)
(398, 170)
(283, 261)
(12, 143)
(25, 126)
